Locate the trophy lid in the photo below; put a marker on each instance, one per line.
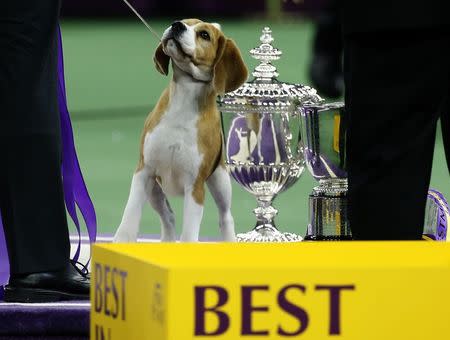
(265, 92)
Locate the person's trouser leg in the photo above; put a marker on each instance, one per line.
(395, 83)
(31, 197)
(32, 204)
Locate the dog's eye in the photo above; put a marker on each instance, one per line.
(204, 35)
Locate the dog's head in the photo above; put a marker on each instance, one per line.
(201, 50)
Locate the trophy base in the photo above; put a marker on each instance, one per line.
(328, 217)
(267, 233)
(328, 238)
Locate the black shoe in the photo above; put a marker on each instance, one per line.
(69, 283)
(326, 75)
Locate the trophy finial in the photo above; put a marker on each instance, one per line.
(266, 37)
(265, 53)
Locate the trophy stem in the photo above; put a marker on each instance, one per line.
(265, 212)
(265, 229)
(333, 186)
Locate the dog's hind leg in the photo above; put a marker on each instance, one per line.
(159, 202)
(219, 185)
(129, 227)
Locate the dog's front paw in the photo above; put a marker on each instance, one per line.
(124, 237)
(168, 238)
(231, 237)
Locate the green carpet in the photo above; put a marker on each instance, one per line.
(112, 85)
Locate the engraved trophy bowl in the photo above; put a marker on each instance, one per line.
(323, 134)
(261, 128)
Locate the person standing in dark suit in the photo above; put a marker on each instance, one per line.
(31, 193)
(397, 74)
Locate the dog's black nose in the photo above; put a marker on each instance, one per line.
(177, 28)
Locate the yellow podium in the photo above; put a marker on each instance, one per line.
(336, 290)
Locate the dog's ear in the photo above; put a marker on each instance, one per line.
(230, 71)
(161, 60)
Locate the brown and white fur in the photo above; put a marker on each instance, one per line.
(181, 144)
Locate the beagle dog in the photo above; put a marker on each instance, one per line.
(181, 144)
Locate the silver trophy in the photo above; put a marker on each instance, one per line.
(324, 139)
(261, 127)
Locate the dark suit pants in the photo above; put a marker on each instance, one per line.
(31, 194)
(397, 87)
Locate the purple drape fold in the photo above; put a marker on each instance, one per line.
(4, 262)
(75, 191)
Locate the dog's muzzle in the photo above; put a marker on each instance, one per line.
(177, 29)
